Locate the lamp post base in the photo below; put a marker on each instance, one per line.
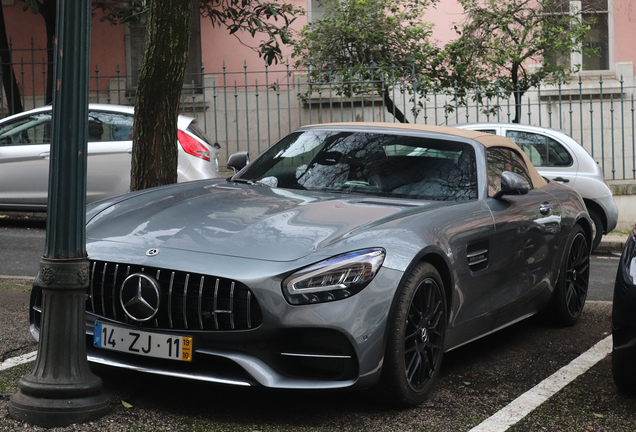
(61, 389)
(50, 413)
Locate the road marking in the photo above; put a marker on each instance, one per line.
(15, 361)
(530, 400)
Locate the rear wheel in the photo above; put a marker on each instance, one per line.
(570, 293)
(598, 224)
(415, 338)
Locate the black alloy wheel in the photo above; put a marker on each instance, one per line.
(577, 275)
(571, 290)
(423, 335)
(415, 346)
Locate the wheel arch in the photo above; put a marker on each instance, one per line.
(445, 273)
(596, 208)
(438, 260)
(587, 229)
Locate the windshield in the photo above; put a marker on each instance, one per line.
(370, 163)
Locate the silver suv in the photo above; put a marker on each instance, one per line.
(560, 158)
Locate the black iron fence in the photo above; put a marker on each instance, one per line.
(252, 108)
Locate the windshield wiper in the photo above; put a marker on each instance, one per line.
(240, 180)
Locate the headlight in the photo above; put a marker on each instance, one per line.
(335, 278)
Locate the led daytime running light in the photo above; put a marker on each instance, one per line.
(334, 278)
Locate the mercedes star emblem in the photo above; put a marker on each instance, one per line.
(152, 252)
(140, 297)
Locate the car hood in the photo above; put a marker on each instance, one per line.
(250, 221)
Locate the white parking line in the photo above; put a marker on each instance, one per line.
(15, 361)
(527, 402)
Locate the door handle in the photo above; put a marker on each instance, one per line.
(545, 208)
(45, 155)
(129, 151)
(561, 179)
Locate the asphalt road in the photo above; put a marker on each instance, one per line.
(477, 381)
(22, 245)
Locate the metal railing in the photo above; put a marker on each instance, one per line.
(252, 108)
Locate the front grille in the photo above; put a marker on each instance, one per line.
(188, 301)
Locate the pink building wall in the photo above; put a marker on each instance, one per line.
(108, 43)
(26, 30)
(624, 14)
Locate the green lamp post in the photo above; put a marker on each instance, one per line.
(61, 389)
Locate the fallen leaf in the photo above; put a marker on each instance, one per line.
(126, 404)
(466, 383)
(598, 415)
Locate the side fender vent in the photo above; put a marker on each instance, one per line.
(477, 255)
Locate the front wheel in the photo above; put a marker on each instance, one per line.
(570, 293)
(415, 341)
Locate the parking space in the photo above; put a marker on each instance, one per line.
(478, 380)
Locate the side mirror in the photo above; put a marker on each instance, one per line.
(512, 184)
(239, 160)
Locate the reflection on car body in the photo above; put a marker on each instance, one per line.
(344, 256)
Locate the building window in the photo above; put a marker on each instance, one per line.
(135, 37)
(595, 13)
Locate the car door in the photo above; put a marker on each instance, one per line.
(109, 154)
(527, 229)
(24, 160)
(551, 157)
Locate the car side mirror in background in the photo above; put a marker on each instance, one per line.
(239, 160)
(512, 184)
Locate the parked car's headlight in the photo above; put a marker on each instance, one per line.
(335, 278)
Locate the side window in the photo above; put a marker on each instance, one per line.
(109, 126)
(490, 131)
(542, 150)
(502, 159)
(34, 129)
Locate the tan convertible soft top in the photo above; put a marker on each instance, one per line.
(486, 139)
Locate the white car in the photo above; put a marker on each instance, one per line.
(25, 152)
(560, 158)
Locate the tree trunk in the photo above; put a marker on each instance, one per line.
(11, 89)
(48, 9)
(154, 157)
(390, 107)
(517, 93)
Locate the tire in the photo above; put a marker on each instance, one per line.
(570, 292)
(598, 224)
(623, 371)
(415, 342)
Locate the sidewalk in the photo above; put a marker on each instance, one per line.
(613, 242)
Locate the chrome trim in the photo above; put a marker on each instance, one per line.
(477, 253)
(185, 301)
(102, 290)
(157, 278)
(106, 362)
(249, 309)
(232, 306)
(216, 293)
(170, 300)
(327, 356)
(114, 288)
(201, 302)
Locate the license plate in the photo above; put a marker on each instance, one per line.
(143, 343)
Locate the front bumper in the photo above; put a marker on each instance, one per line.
(338, 344)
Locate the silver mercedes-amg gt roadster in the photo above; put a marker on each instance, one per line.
(348, 255)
